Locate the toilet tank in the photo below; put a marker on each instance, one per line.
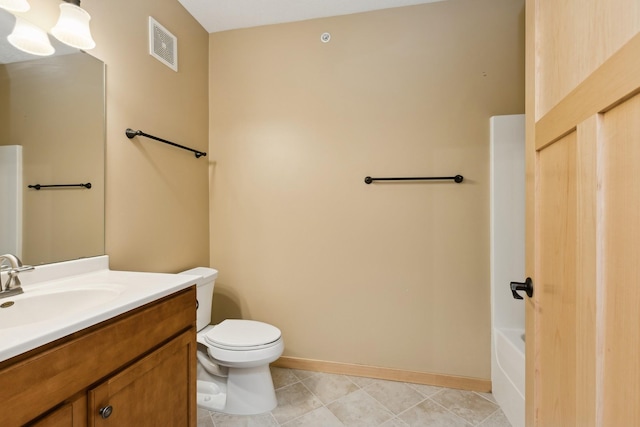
(204, 293)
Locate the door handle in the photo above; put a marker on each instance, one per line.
(526, 286)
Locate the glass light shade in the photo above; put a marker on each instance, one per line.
(73, 27)
(30, 38)
(15, 5)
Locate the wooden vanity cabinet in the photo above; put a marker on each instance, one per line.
(137, 369)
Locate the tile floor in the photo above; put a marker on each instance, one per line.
(313, 399)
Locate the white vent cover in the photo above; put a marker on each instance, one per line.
(163, 45)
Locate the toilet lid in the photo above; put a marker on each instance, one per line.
(242, 334)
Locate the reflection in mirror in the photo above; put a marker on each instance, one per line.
(51, 132)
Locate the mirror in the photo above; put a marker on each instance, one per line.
(52, 132)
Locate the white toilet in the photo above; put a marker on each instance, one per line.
(233, 357)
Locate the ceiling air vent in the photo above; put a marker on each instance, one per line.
(163, 45)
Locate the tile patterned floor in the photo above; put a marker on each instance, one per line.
(313, 399)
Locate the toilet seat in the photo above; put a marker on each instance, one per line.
(242, 335)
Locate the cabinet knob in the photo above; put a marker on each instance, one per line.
(106, 411)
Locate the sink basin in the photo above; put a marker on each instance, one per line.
(42, 305)
(63, 298)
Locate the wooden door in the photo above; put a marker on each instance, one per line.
(583, 213)
(155, 391)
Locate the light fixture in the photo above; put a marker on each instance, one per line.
(30, 38)
(15, 5)
(73, 26)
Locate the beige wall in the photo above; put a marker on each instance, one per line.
(157, 199)
(388, 275)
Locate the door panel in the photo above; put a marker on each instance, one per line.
(556, 281)
(621, 264)
(588, 195)
(575, 37)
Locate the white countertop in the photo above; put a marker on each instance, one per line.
(126, 291)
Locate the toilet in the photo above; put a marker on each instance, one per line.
(233, 357)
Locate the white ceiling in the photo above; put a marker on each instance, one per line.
(222, 15)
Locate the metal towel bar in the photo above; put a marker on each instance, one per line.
(458, 179)
(39, 186)
(131, 133)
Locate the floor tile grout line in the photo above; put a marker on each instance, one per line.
(291, 420)
(416, 385)
(469, 422)
(353, 382)
(400, 420)
(489, 416)
(323, 405)
(451, 412)
(484, 397)
(289, 385)
(334, 400)
(411, 407)
(393, 414)
(312, 374)
(490, 401)
(273, 418)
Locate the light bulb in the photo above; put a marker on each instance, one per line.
(30, 38)
(15, 5)
(72, 27)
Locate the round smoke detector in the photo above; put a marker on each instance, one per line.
(325, 37)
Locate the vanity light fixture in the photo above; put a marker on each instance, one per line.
(30, 38)
(15, 5)
(72, 27)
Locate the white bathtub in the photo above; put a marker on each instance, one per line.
(508, 372)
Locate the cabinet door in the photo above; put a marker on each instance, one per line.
(158, 390)
(71, 414)
(61, 417)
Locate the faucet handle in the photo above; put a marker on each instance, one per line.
(14, 267)
(14, 264)
(14, 260)
(22, 268)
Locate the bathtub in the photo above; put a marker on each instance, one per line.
(508, 372)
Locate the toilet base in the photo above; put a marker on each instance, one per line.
(210, 396)
(245, 391)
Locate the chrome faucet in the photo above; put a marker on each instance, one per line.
(11, 265)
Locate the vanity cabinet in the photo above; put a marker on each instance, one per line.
(136, 369)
